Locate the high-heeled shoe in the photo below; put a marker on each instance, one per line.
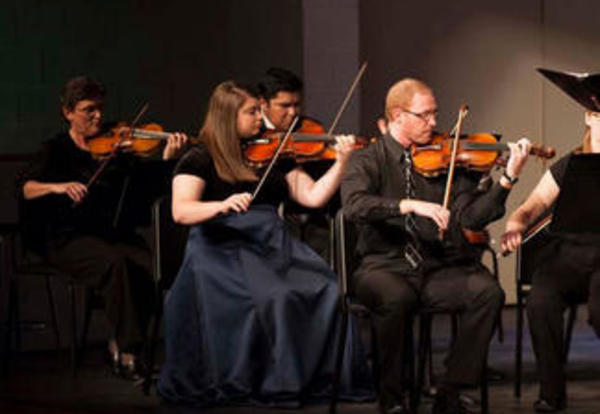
(113, 362)
(131, 370)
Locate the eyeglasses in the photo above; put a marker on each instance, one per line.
(90, 109)
(425, 116)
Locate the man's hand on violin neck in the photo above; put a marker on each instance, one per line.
(519, 152)
(434, 211)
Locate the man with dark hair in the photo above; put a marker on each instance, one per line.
(281, 98)
(80, 88)
(90, 225)
(281, 101)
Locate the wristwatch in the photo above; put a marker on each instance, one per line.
(511, 180)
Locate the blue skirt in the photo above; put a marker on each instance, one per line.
(253, 317)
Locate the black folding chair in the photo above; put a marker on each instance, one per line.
(169, 247)
(21, 259)
(344, 265)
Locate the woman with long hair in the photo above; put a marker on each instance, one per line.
(252, 315)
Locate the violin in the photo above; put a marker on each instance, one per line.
(143, 141)
(478, 152)
(308, 143)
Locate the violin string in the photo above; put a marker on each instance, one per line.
(275, 157)
(299, 137)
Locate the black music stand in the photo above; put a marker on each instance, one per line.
(577, 211)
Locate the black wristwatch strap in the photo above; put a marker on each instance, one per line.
(511, 180)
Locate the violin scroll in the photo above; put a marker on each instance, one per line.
(541, 151)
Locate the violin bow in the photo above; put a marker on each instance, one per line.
(346, 100)
(284, 141)
(462, 113)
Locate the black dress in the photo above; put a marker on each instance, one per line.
(252, 316)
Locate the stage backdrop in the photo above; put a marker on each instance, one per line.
(170, 54)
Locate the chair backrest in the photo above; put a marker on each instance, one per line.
(528, 253)
(23, 219)
(345, 260)
(10, 166)
(169, 243)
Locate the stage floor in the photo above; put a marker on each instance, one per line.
(40, 382)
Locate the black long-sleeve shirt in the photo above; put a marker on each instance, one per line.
(117, 202)
(373, 186)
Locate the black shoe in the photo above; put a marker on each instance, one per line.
(395, 409)
(132, 371)
(393, 405)
(545, 406)
(494, 375)
(447, 401)
(469, 404)
(113, 362)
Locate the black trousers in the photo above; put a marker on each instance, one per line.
(569, 274)
(393, 295)
(121, 271)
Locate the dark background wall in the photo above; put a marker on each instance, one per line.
(168, 53)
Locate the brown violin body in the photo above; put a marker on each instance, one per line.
(308, 143)
(478, 152)
(143, 140)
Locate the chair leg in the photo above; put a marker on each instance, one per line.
(10, 324)
(152, 351)
(500, 327)
(519, 347)
(375, 358)
(52, 305)
(422, 356)
(331, 244)
(569, 331)
(485, 408)
(409, 353)
(74, 347)
(335, 389)
(88, 308)
(16, 321)
(454, 322)
(430, 377)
